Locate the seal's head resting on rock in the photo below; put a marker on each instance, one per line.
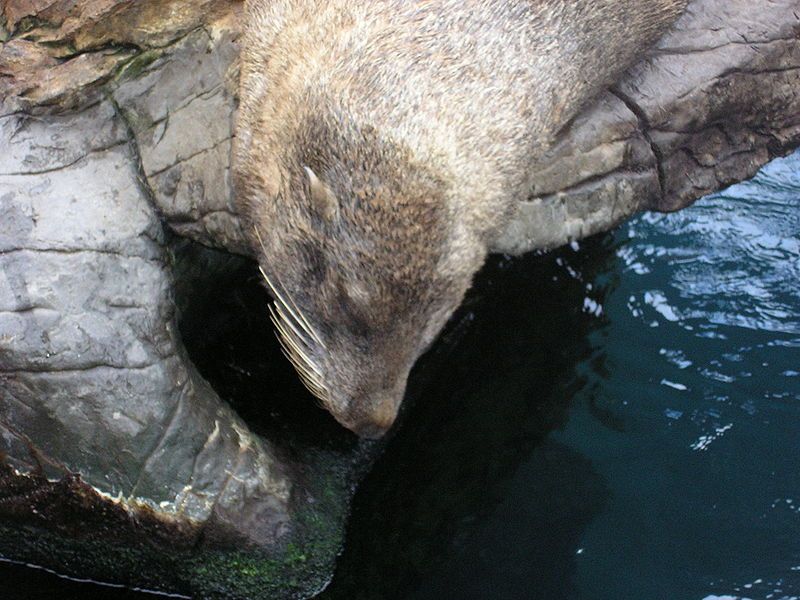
(360, 255)
(381, 147)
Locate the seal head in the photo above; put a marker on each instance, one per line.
(356, 246)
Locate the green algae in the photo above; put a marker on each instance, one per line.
(138, 64)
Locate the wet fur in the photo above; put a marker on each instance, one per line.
(381, 146)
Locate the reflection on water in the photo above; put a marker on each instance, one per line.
(703, 350)
(616, 421)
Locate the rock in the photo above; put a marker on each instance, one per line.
(115, 132)
(715, 101)
(95, 380)
(185, 165)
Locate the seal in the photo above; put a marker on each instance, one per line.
(380, 147)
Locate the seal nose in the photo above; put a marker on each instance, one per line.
(379, 419)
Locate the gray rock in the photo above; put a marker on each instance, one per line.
(180, 108)
(94, 379)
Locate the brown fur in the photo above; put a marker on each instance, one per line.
(380, 147)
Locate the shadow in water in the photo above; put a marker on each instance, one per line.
(24, 583)
(483, 402)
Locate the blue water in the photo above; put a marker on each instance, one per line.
(702, 369)
(652, 448)
(618, 419)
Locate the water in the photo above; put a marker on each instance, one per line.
(615, 420)
(621, 421)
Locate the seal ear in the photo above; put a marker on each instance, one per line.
(323, 199)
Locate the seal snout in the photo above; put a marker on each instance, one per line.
(377, 419)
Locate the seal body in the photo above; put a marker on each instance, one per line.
(381, 146)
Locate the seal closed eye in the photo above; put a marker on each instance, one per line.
(380, 148)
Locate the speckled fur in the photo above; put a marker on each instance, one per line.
(422, 119)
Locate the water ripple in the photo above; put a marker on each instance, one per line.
(735, 256)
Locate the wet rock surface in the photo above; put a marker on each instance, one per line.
(115, 132)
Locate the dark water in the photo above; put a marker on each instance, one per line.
(621, 421)
(617, 420)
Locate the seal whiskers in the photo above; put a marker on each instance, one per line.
(295, 333)
(293, 343)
